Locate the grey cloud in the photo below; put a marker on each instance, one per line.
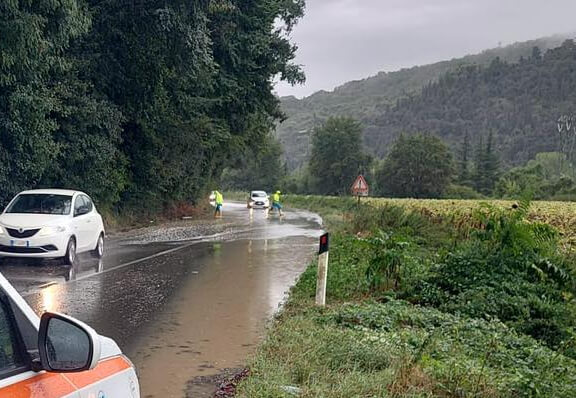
(342, 40)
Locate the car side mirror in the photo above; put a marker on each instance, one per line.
(67, 345)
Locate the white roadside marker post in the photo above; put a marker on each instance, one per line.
(322, 270)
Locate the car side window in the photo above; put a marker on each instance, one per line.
(11, 358)
(78, 204)
(88, 203)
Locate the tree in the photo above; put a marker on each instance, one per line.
(491, 164)
(54, 129)
(546, 176)
(194, 81)
(140, 103)
(337, 156)
(464, 162)
(419, 166)
(487, 166)
(262, 169)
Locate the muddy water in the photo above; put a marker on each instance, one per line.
(218, 314)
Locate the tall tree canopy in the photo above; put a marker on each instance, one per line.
(143, 101)
(262, 169)
(418, 166)
(53, 128)
(337, 156)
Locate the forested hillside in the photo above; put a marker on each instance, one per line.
(139, 103)
(368, 100)
(519, 104)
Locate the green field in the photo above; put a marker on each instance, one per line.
(561, 215)
(430, 298)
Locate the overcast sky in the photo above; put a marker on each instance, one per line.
(343, 40)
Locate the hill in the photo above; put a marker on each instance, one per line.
(370, 99)
(518, 103)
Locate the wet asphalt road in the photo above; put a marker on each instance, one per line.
(185, 301)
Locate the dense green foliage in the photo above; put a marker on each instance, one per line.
(549, 175)
(262, 170)
(369, 101)
(337, 156)
(54, 129)
(139, 103)
(418, 166)
(515, 104)
(422, 306)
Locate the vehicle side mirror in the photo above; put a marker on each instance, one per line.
(67, 345)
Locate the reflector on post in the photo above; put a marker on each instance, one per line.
(322, 276)
(324, 243)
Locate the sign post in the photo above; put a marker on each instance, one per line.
(322, 276)
(360, 187)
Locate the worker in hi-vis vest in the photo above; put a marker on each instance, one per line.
(219, 200)
(276, 203)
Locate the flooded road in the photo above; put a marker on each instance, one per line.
(181, 301)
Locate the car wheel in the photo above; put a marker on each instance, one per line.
(98, 251)
(70, 256)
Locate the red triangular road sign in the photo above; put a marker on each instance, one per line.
(360, 187)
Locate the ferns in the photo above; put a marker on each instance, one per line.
(510, 233)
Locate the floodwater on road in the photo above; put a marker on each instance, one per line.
(183, 307)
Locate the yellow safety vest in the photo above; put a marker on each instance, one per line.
(219, 198)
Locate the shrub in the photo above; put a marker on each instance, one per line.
(461, 192)
(509, 270)
(387, 255)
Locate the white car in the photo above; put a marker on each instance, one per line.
(51, 223)
(57, 356)
(258, 200)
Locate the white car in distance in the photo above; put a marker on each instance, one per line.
(51, 223)
(258, 200)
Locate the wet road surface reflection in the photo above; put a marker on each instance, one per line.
(191, 305)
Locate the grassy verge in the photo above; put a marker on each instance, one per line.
(420, 306)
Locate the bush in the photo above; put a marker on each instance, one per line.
(510, 271)
(455, 191)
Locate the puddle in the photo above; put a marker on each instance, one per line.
(218, 315)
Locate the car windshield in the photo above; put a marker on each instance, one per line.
(41, 204)
(258, 194)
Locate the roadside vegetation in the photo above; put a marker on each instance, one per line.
(140, 104)
(421, 305)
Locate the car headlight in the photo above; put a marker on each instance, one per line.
(47, 231)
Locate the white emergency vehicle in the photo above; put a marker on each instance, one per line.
(57, 356)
